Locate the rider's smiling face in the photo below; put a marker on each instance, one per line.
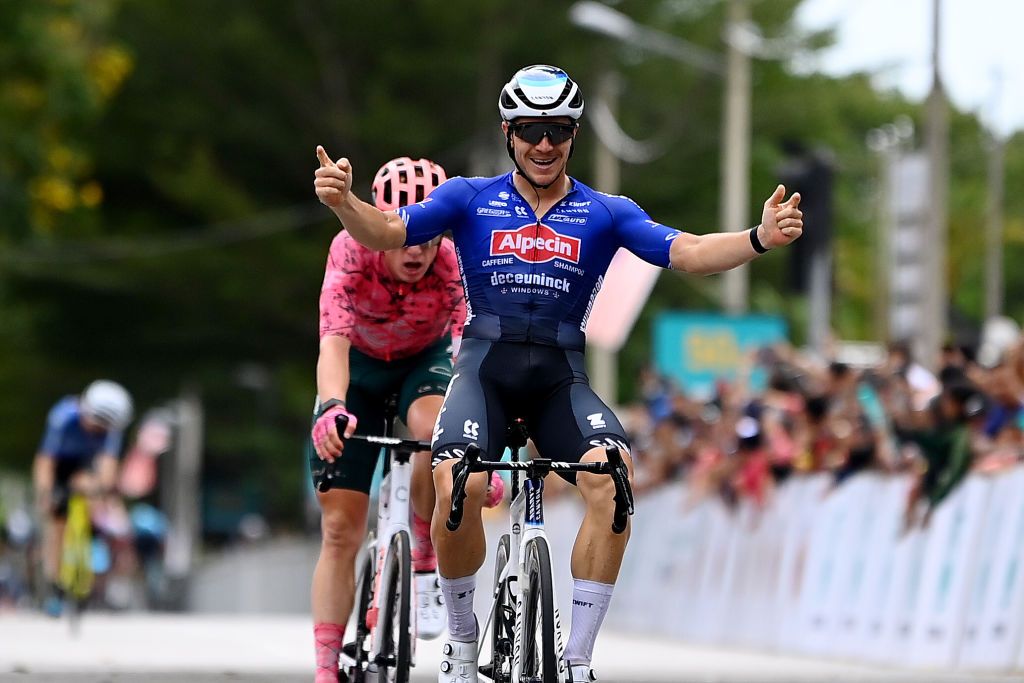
(545, 160)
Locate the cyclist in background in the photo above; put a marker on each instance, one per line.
(533, 246)
(389, 324)
(79, 452)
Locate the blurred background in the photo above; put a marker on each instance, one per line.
(158, 227)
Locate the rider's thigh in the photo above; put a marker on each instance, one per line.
(422, 415)
(84, 481)
(343, 520)
(598, 454)
(473, 411)
(599, 489)
(423, 388)
(574, 424)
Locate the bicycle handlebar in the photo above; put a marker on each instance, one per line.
(407, 446)
(401, 445)
(615, 467)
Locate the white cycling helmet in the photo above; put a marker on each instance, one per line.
(107, 403)
(541, 90)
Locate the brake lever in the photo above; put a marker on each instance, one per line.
(623, 491)
(460, 476)
(324, 481)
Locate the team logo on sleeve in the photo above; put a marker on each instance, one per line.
(535, 244)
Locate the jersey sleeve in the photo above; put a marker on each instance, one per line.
(648, 239)
(458, 315)
(53, 436)
(441, 211)
(341, 280)
(112, 444)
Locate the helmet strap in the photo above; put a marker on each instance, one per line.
(535, 185)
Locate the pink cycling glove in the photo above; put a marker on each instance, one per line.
(326, 439)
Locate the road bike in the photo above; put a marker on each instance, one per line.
(384, 647)
(75, 575)
(523, 630)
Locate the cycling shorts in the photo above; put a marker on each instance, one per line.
(371, 382)
(496, 382)
(64, 472)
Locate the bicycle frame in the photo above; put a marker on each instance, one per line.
(392, 517)
(526, 517)
(75, 562)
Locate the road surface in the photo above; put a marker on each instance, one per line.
(209, 649)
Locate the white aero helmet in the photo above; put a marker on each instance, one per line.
(541, 90)
(107, 403)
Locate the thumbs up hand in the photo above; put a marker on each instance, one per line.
(333, 180)
(781, 223)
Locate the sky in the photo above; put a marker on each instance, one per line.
(982, 50)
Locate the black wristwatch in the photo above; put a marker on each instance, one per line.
(327, 405)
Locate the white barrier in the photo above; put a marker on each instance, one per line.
(947, 571)
(828, 571)
(993, 632)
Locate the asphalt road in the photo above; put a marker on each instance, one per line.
(417, 678)
(208, 649)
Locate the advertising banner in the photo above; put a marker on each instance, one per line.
(696, 349)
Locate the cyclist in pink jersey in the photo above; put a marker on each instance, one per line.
(392, 304)
(390, 322)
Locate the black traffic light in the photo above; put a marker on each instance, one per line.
(810, 173)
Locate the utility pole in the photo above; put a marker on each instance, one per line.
(994, 229)
(937, 136)
(994, 211)
(879, 144)
(180, 494)
(735, 179)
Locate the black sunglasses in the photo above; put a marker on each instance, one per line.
(535, 131)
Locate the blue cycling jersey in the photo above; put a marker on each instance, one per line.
(67, 441)
(530, 279)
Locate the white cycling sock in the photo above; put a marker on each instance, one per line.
(458, 598)
(589, 605)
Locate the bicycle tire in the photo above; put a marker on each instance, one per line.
(503, 616)
(538, 661)
(364, 598)
(395, 657)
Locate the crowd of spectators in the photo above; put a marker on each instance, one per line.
(814, 416)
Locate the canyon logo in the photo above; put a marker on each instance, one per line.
(535, 243)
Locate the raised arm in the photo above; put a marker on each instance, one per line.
(369, 226)
(781, 223)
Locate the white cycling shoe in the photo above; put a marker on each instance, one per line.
(430, 613)
(581, 674)
(459, 663)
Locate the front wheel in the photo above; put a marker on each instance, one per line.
(360, 647)
(503, 620)
(537, 660)
(394, 657)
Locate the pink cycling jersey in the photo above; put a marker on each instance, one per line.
(384, 317)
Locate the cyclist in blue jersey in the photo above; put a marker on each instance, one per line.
(533, 246)
(79, 452)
